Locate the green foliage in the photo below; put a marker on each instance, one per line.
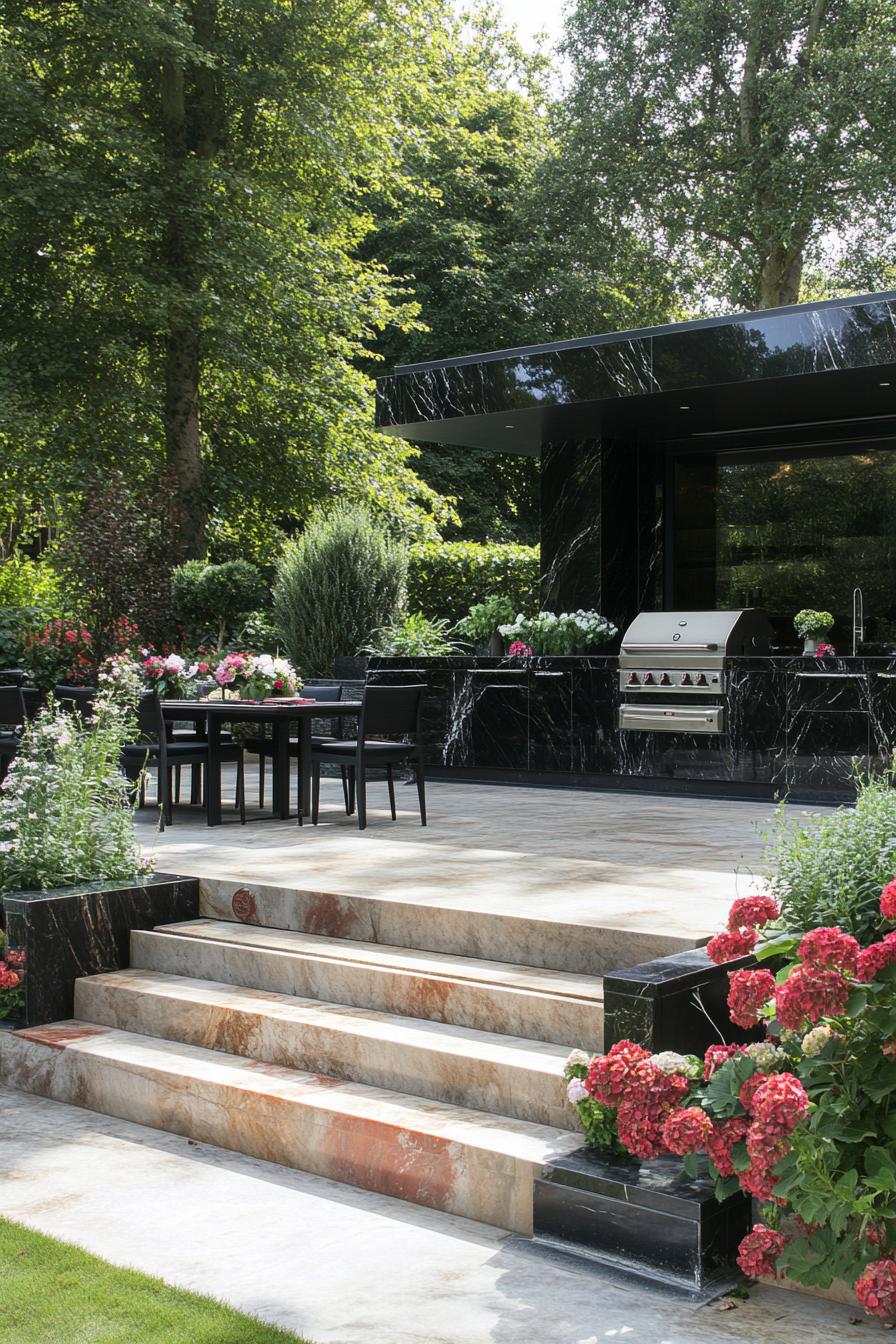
(413, 635)
(598, 1120)
(808, 622)
(341, 580)
(446, 579)
(30, 583)
(185, 189)
(66, 810)
(831, 868)
(260, 633)
(215, 597)
(780, 110)
(15, 622)
(483, 618)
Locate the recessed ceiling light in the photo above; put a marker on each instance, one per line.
(885, 384)
(684, 408)
(508, 426)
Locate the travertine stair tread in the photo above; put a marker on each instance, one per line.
(177, 1066)
(368, 1023)
(442, 965)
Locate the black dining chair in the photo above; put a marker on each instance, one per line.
(12, 676)
(78, 699)
(387, 713)
(12, 719)
(263, 747)
(155, 749)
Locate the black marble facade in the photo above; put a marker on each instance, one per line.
(742, 349)
(74, 931)
(797, 727)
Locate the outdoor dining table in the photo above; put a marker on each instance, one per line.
(215, 713)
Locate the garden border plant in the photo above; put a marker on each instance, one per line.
(805, 1121)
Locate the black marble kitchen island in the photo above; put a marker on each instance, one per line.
(795, 727)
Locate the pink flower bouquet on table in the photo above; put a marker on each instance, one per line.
(257, 676)
(165, 674)
(519, 650)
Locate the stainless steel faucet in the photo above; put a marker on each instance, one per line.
(858, 619)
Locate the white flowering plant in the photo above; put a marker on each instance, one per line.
(66, 808)
(566, 633)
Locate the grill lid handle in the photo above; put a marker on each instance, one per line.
(679, 644)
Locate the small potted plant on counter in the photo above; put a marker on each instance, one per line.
(482, 622)
(812, 626)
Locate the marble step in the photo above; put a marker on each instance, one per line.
(527, 1001)
(446, 1157)
(500, 1074)
(612, 927)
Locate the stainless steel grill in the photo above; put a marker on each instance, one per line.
(673, 667)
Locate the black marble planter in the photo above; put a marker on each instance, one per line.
(73, 931)
(644, 1218)
(674, 1003)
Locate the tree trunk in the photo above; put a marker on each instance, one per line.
(188, 135)
(779, 280)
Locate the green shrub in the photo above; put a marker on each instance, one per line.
(31, 584)
(412, 636)
(341, 580)
(66, 810)
(445, 579)
(212, 600)
(831, 870)
(483, 618)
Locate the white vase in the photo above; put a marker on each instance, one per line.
(810, 646)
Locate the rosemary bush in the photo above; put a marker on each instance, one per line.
(66, 809)
(341, 580)
(831, 870)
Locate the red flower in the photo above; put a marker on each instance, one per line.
(779, 1103)
(749, 991)
(759, 1251)
(765, 1149)
(722, 1138)
(715, 1057)
(609, 1074)
(729, 946)
(876, 1288)
(810, 993)
(830, 950)
(686, 1130)
(873, 959)
(759, 1182)
(750, 1088)
(888, 901)
(752, 912)
(8, 979)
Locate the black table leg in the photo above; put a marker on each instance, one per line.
(281, 768)
(305, 766)
(213, 772)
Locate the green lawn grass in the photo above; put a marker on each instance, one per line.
(53, 1293)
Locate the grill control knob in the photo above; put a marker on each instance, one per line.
(665, 679)
(632, 678)
(648, 679)
(686, 679)
(701, 679)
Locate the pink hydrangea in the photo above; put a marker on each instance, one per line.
(715, 1057)
(876, 1288)
(830, 949)
(729, 946)
(748, 992)
(686, 1130)
(873, 959)
(758, 1252)
(888, 901)
(779, 1104)
(721, 1140)
(752, 912)
(809, 993)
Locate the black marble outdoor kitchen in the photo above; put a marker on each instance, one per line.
(733, 463)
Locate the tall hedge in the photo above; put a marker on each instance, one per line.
(446, 578)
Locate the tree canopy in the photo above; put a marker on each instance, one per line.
(738, 138)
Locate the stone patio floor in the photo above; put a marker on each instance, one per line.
(626, 860)
(339, 1265)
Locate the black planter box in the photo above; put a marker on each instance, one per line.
(68, 932)
(642, 1218)
(674, 1003)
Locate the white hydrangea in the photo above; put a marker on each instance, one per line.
(577, 1057)
(815, 1040)
(576, 1090)
(766, 1056)
(667, 1061)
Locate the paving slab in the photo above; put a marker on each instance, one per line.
(337, 1264)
